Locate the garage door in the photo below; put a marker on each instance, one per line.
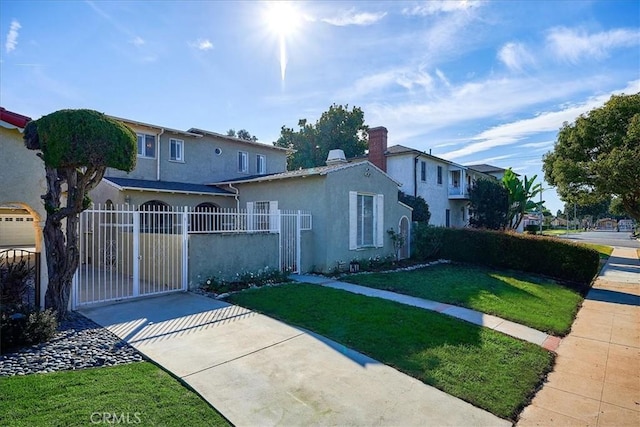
(16, 230)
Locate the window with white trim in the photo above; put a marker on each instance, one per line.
(366, 220)
(176, 150)
(146, 145)
(261, 164)
(243, 161)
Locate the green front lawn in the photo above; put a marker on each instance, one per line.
(533, 301)
(559, 231)
(138, 393)
(491, 370)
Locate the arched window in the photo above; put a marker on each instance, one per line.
(156, 217)
(204, 218)
(404, 232)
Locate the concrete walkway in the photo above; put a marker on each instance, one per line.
(596, 379)
(259, 372)
(492, 322)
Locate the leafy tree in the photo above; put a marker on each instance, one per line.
(242, 134)
(420, 207)
(337, 128)
(598, 155)
(521, 194)
(489, 201)
(76, 146)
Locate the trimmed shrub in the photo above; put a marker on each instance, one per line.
(26, 326)
(565, 261)
(426, 241)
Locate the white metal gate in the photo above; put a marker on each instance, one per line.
(126, 253)
(292, 223)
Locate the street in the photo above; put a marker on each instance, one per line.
(609, 238)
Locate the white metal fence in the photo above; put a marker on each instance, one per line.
(127, 252)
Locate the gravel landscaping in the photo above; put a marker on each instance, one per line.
(79, 343)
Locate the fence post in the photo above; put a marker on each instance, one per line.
(298, 239)
(185, 248)
(136, 251)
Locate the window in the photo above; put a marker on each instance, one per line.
(439, 175)
(261, 165)
(366, 220)
(243, 161)
(146, 145)
(176, 150)
(423, 171)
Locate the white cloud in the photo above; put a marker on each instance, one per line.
(432, 7)
(515, 56)
(403, 77)
(202, 44)
(351, 17)
(510, 133)
(573, 45)
(12, 36)
(443, 78)
(138, 41)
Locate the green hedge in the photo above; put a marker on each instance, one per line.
(548, 256)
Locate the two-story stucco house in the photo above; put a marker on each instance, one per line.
(174, 166)
(443, 184)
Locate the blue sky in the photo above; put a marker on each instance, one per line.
(474, 82)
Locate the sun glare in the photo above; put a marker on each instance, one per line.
(282, 20)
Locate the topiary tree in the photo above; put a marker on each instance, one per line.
(76, 146)
(418, 204)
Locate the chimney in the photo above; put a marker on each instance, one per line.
(336, 157)
(378, 147)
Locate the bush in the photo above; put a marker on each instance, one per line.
(244, 280)
(24, 326)
(14, 282)
(565, 261)
(532, 229)
(426, 241)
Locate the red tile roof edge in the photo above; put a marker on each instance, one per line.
(17, 120)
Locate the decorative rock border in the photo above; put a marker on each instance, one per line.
(79, 344)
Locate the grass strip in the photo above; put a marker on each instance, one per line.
(488, 369)
(137, 393)
(532, 301)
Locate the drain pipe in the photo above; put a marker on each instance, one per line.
(158, 155)
(236, 196)
(415, 176)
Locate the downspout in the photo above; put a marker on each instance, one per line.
(158, 156)
(236, 196)
(415, 176)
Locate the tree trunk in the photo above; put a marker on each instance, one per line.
(63, 254)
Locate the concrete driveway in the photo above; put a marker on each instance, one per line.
(259, 371)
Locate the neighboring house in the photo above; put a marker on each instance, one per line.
(353, 206)
(443, 184)
(494, 171)
(22, 212)
(558, 222)
(606, 224)
(173, 167)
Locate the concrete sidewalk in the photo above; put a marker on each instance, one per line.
(517, 330)
(596, 379)
(259, 371)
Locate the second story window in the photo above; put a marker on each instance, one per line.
(261, 166)
(243, 161)
(176, 150)
(423, 171)
(439, 175)
(146, 145)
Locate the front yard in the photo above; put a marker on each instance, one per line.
(532, 301)
(491, 370)
(137, 393)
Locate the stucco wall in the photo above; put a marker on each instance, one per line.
(225, 255)
(201, 164)
(23, 182)
(327, 197)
